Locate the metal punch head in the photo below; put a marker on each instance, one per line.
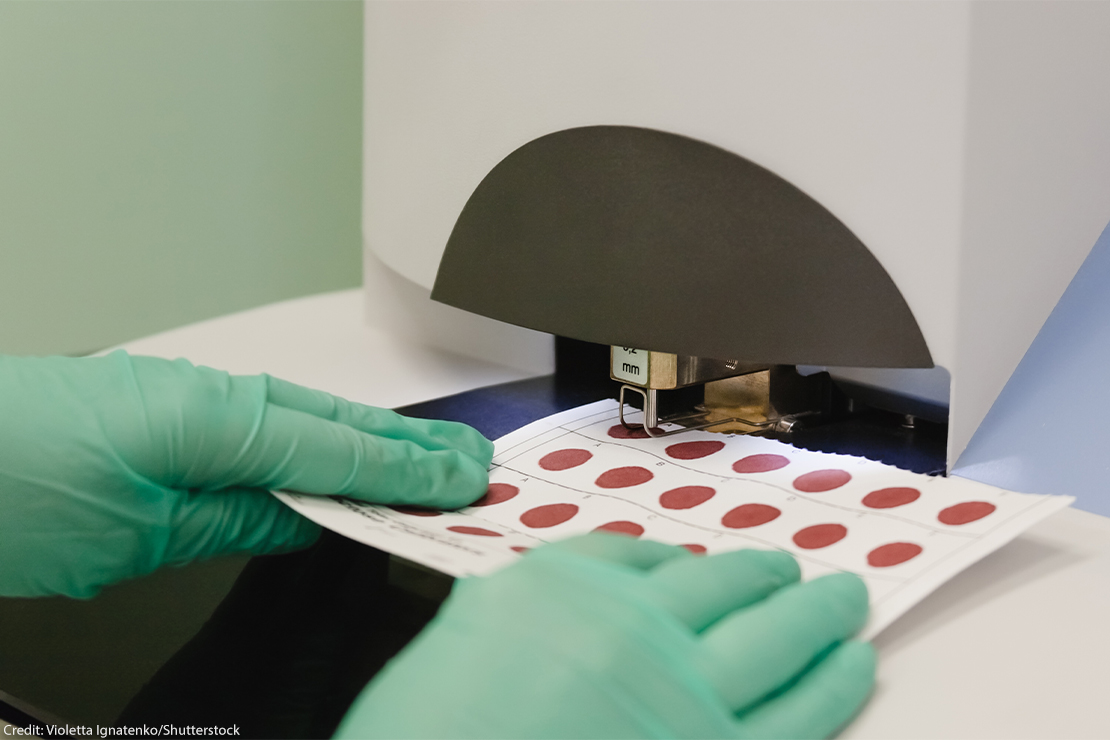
(651, 418)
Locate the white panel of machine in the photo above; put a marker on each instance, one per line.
(858, 104)
(1036, 184)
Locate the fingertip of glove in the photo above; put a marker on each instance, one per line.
(288, 531)
(304, 534)
(485, 449)
(848, 594)
(856, 663)
(473, 443)
(860, 654)
(456, 434)
(781, 564)
(466, 482)
(848, 586)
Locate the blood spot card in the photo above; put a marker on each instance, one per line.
(580, 471)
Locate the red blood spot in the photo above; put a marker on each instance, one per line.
(564, 459)
(760, 463)
(620, 431)
(696, 549)
(969, 511)
(520, 548)
(633, 475)
(750, 515)
(888, 498)
(686, 497)
(415, 511)
(694, 450)
(629, 528)
(474, 530)
(820, 535)
(885, 556)
(496, 493)
(820, 481)
(548, 515)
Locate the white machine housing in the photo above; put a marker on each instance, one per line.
(966, 143)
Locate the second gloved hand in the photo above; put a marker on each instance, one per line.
(111, 467)
(609, 637)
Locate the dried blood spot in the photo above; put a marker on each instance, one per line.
(520, 548)
(620, 431)
(686, 497)
(564, 459)
(629, 528)
(696, 549)
(548, 515)
(819, 535)
(969, 511)
(760, 463)
(415, 511)
(633, 475)
(694, 450)
(820, 481)
(888, 498)
(892, 554)
(496, 493)
(750, 515)
(474, 530)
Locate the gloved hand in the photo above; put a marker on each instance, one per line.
(606, 636)
(113, 466)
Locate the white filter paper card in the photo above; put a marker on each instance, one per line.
(580, 470)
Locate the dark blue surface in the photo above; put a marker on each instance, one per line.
(497, 410)
(1047, 431)
(878, 435)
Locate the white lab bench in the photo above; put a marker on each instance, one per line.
(1017, 646)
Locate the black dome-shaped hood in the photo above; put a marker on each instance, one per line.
(640, 238)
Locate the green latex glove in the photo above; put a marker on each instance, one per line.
(606, 636)
(111, 467)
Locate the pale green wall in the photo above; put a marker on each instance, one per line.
(165, 162)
